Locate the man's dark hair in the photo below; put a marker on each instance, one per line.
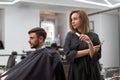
(54, 45)
(39, 32)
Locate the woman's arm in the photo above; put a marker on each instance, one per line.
(97, 54)
(91, 49)
(85, 38)
(70, 53)
(84, 52)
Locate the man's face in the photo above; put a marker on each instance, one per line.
(33, 40)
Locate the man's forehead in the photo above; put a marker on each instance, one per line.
(32, 34)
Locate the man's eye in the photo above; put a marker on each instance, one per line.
(31, 37)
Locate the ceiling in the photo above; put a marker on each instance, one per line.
(66, 4)
(79, 3)
(7, 0)
(113, 2)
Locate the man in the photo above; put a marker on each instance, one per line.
(54, 47)
(40, 64)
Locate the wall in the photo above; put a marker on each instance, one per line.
(18, 20)
(106, 25)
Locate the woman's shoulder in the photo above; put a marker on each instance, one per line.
(70, 33)
(92, 33)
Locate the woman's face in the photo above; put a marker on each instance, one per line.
(76, 21)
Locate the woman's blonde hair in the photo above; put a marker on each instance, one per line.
(84, 21)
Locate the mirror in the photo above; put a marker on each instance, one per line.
(52, 22)
(1, 29)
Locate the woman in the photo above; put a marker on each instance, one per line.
(82, 48)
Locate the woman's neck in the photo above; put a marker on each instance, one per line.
(80, 31)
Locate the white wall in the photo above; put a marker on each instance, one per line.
(18, 20)
(106, 25)
(17, 23)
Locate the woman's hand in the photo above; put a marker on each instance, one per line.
(85, 38)
(96, 48)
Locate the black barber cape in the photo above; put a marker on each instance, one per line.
(40, 65)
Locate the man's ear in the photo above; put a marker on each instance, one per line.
(41, 39)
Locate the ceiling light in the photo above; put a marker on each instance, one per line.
(116, 5)
(101, 4)
(13, 2)
(95, 3)
(107, 2)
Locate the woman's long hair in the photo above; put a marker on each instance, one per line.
(84, 21)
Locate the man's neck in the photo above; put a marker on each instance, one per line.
(43, 46)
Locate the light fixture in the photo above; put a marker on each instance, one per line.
(13, 2)
(116, 5)
(109, 5)
(107, 2)
(95, 3)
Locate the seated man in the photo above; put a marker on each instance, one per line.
(40, 64)
(54, 47)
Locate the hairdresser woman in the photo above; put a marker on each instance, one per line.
(82, 48)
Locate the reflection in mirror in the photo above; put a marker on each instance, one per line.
(49, 21)
(1, 29)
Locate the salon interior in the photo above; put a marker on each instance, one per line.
(18, 16)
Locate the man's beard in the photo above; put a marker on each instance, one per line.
(36, 45)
